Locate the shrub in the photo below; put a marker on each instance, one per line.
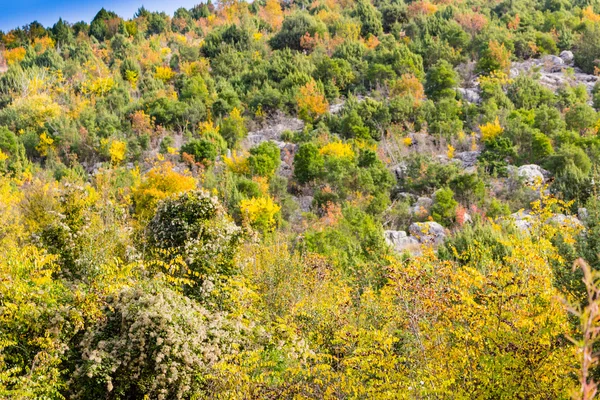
(261, 213)
(202, 150)
(154, 343)
(264, 159)
(444, 206)
(308, 163)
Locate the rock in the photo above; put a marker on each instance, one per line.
(273, 129)
(401, 242)
(470, 95)
(583, 214)
(532, 174)
(522, 221)
(405, 196)
(553, 63)
(551, 71)
(422, 206)
(467, 219)
(567, 56)
(430, 233)
(399, 170)
(567, 221)
(336, 108)
(305, 202)
(468, 158)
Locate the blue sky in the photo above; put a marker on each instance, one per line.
(16, 13)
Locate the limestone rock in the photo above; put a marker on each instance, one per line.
(567, 57)
(422, 206)
(468, 158)
(430, 233)
(401, 242)
(532, 174)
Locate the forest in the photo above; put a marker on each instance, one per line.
(303, 199)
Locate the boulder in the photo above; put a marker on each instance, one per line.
(551, 71)
(470, 95)
(566, 221)
(399, 170)
(532, 174)
(401, 242)
(522, 221)
(430, 233)
(567, 57)
(305, 202)
(468, 158)
(422, 206)
(583, 214)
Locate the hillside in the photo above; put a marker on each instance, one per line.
(336, 199)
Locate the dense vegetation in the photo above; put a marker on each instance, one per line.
(214, 204)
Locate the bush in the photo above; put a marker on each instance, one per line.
(308, 163)
(194, 226)
(202, 150)
(152, 343)
(444, 206)
(264, 159)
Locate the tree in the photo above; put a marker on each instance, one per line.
(203, 150)
(587, 50)
(369, 17)
(441, 81)
(311, 102)
(294, 28)
(233, 128)
(495, 57)
(264, 159)
(152, 342)
(444, 206)
(308, 163)
(157, 184)
(195, 239)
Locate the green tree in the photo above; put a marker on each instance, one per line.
(308, 163)
(444, 206)
(441, 80)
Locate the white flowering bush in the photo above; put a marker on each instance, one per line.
(153, 343)
(194, 228)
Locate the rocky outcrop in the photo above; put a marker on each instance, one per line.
(430, 233)
(401, 242)
(523, 221)
(273, 130)
(552, 71)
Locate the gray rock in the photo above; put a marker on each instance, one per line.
(567, 56)
(430, 233)
(522, 221)
(401, 242)
(405, 196)
(399, 170)
(532, 174)
(422, 206)
(305, 202)
(273, 130)
(567, 221)
(470, 95)
(468, 158)
(551, 71)
(583, 214)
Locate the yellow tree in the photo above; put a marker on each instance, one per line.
(272, 13)
(311, 102)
